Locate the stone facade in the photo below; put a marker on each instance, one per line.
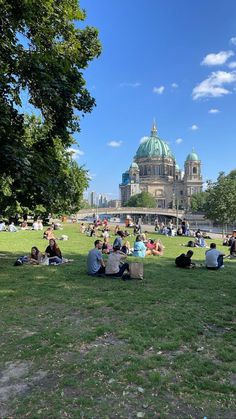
(155, 170)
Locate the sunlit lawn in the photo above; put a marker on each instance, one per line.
(74, 346)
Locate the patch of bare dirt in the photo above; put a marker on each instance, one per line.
(107, 339)
(213, 329)
(16, 379)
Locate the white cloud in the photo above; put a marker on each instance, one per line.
(75, 153)
(143, 139)
(213, 85)
(217, 59)
(179, 140)
(135, 84)
(91, 176)
(158, 90)
(114, 143)
(213, 111)
(194, 127)
(174, 85)
(233, 40)
(232, 64)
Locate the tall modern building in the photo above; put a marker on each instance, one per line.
(93, 198)
(155, 170)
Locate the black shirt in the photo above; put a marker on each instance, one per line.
(183, 261)
(51, 253)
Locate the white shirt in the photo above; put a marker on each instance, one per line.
(211, 258)
(35, 226)
(113, 262)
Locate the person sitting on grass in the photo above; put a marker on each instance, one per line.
(48, 234)
(114, 267)
(184, 261)
(53, 252)
(139, 247)
(233, 248)
(12, 228)
(2, 226)
(214, 258)
(106, 246)
(154, 248)
(24, 225)
(35, 256)
(126, 248)
(118, 240)
(95, 262)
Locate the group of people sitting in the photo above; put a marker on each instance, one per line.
(170, 230)
(213, 259)
(11, 227)
(37, 225)
(142, 246)
(114, 266)
(51, 256)
(118, 252)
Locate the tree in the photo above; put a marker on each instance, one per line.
(198, 201)
(53, 182)
(43, 51)
(42, 54)
(220, 204)
(143, 199)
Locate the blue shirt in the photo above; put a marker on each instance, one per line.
(139, 249)
(117, 242)
(94, 261)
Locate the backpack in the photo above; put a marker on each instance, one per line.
(190, 244)
(21, 260)
(18, 262)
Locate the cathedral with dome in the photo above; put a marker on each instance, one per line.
(155, 170)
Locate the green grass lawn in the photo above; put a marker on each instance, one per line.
(73, 346)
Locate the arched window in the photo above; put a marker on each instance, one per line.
(194, 170)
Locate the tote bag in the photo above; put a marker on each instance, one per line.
(136, 270)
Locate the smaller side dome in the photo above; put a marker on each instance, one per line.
(192, 157)
(177, 168)
(134, 166)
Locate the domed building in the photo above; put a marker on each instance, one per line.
(155, 170)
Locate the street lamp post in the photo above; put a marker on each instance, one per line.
(177, 214)
(176, 207)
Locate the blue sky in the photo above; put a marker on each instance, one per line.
(172, 60)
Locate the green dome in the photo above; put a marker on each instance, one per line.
(153, 147)
(177, 167)
(192, 157)
(134, 166)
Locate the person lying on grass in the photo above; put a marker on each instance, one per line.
(35, 258)
(184, 261)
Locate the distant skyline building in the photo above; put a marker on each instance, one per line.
(92, 198)
(156, 171)
(97, 199)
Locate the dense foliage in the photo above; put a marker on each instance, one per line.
(52, 181)
(220, 204)
(42, 56)
(143, 200)
(198, 201)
